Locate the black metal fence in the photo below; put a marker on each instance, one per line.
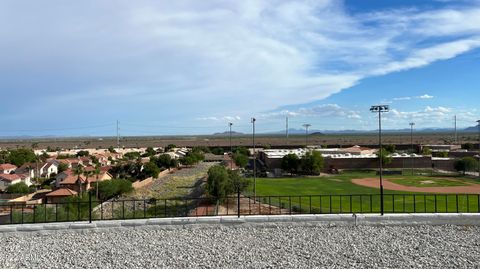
(93, 210)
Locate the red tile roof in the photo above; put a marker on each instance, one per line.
(62, 193)
(72, 179)
(9, 178)
(7, 166)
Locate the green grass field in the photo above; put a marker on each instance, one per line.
(337, 194)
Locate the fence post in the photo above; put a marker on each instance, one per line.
(456, 201)
(238, 202)
(11, 214)
(90, 207)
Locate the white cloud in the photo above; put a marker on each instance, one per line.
(425, 96)
(407, 98)
(212, 57)
(327, 111)
(224, 118)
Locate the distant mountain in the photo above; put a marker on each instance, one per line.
(404, 130)
(227, 133)
(471, 129)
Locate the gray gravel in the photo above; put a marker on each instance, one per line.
(281, 246)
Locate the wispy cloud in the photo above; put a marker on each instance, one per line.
(327, 110)
(406, 98)
(184, 56)
(223, 118)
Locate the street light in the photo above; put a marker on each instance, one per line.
(411, 142)
(231, 149)
(254, 162)
(478, 121)
(306, 125)
(380, 109)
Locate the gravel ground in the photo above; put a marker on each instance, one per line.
(281, 246)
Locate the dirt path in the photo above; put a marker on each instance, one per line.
(375, 183)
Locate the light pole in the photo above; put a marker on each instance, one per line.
(306, 125)
(380, 109)
(231, 149)
(411, 143)
(254, 162)
(478, 121)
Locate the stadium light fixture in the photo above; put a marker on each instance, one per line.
(380, 109)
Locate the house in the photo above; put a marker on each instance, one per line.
(77, 183)
(26, 178)
(102, 159)
(27, 168)
(7, 168)
(101, 177)
(74, 163)
(85, 161)
(59, 195)
(8, 179)
(50, 168)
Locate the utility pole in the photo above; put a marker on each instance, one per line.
(380, 109)
(478, 121)
(306, 133)
(286, 130)
(456, 134)
(411, 143)
(231, 149)
(118, 136)
(254, 162)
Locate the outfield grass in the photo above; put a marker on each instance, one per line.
(337, 194)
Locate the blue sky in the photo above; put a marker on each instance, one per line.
(190, 67)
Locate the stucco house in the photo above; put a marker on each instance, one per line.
(59, 195)
(7, 168)
(8, 179)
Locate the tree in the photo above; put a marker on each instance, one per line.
(217, 181)
(169, 147)
(312, 163)
(62, 167)
(149, 152)
(218, 151)
(20, 187)
(236, 183)
(242, 150)
(426, 151)
(131, 155)
(290, 163)
(150, 169)
(83, 153)
(97, 174)
(165, 161)
(44, 156)
(240, 159)
(111, 149)
(21, 156)
(443, 154)
(466, 164)
(78, 171)
(386, 157)
(192, 157)
(468, 146)
(390, 148)
(111, 188)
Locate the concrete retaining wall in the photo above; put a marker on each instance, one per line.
(334, 219)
